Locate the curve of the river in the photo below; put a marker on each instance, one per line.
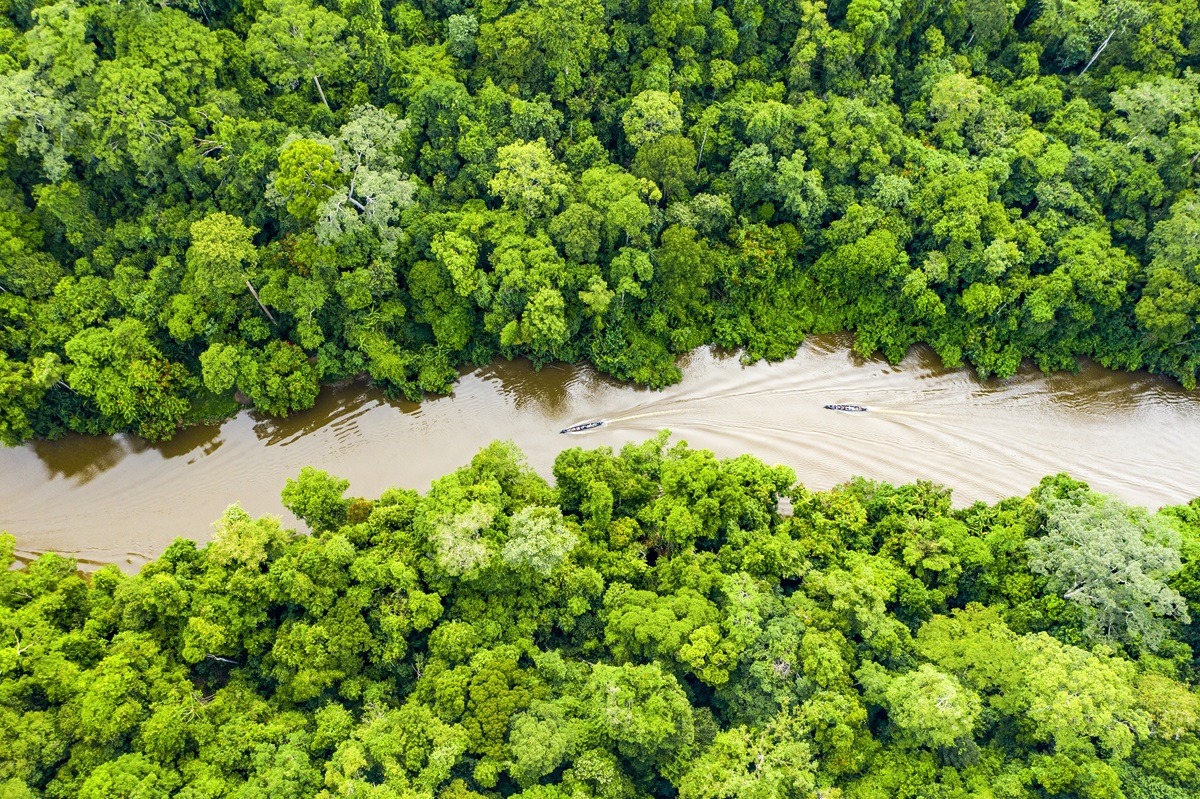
(121, 500)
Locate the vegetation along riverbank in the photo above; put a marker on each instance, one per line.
(258, 197)
(647, 625)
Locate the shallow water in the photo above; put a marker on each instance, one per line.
(122, 500)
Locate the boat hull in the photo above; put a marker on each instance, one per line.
(583, 428)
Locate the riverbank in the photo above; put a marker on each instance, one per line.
(649, 618)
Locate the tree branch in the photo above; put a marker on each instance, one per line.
(254, 294)
(1099, 50)
(321, 91)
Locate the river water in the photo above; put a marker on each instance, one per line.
(121, 500)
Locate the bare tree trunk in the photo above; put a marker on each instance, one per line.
(321, 91)
(703, 139)
(350, 191)
(254, 293)
(1099, 50)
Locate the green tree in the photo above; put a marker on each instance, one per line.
(528, 179)
(40, 99)
(929, 708)
(1169, 308)
(316, 497)
(460, 34)
(1112, 559)
(131, 122)
(801, 191)
(222, 258)
(126, 376)
(773, 762)
(651, 115)
(545, 46)
(670, 162)
(22, 387)
(131, 775)
(538, 540)
(540, 740)
(277, 377)
(293, 41)
(542, 327)
(642, 712)
(308, 175)
(373, 188)
(1082, 703)
(180, 52)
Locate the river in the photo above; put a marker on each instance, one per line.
(122, 500)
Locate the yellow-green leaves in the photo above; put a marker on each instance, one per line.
(222, 254)
(529, 179)
(308, 174)
(293, 42)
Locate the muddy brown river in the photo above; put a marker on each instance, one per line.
(121, 500)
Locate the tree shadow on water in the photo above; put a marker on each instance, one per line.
(81, 458)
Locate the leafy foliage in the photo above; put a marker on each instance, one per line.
(649, 626)
(1113, 560)
(201, 198)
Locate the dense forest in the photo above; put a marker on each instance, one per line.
(213, 199)
(651, 625)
